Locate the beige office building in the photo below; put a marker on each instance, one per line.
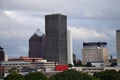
(118, 46)
(95, 52)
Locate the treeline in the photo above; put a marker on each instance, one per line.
(67, 75)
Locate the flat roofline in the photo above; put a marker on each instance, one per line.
(118, 30)
(104, 43)
(55, 14)
(94, 42)
(1, 48)
(100, 44)
(14, 62)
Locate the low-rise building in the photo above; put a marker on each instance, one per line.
(37, 64)
(27, 59)
(92, 70)
(24, 65)
(8, 66)
(46, 66)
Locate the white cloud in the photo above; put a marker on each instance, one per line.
(88, 14)
(24, 19)
(16, 16)
(18, 25)
(86, 34)
(92, 14)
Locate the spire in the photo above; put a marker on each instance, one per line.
(38, 32)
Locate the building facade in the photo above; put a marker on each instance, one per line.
(7, 66)
(56, 38)
(118, 46)
(92, 70)
(27, 59)
(3, 56)
(37, 45)
(95, 52)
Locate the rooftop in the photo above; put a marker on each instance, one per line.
(1, 48)
(118, 30)
(94, 44)
(38, 32)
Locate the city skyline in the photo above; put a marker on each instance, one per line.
(95, 20)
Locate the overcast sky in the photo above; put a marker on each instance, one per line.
(89, 20)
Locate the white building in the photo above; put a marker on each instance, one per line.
(69, 47)
(96, 53)
(6, 57)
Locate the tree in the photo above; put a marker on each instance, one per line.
(71, 75)
(14, 76)
(108, 75)
(13, 70)
(74, 62)
(35, 76)
(79, 63)
(113, 64)
(88, 64)
(70, 65)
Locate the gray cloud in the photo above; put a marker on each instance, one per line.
(77, 8)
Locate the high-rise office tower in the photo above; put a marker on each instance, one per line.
(95, 52)
(37, 45)
(56, 38)
(69, 47)
(118, 46)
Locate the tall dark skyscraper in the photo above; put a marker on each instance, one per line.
(37, 45)
(118, 46)
(56, 38)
